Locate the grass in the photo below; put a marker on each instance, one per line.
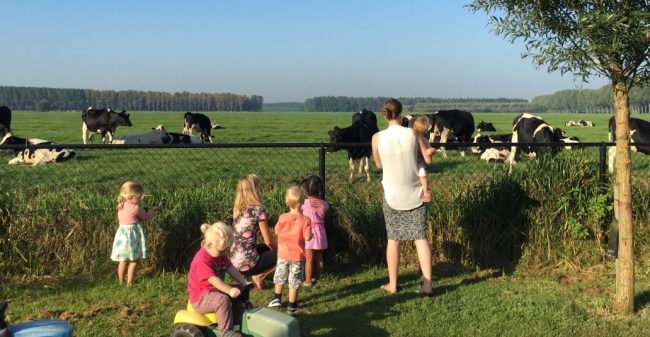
(553, 302)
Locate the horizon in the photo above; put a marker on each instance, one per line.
(285, 51)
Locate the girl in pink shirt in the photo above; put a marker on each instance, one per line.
(129, 245)
(315, 207)
(206, 287)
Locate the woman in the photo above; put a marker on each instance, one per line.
(395, 151)
(249, 219)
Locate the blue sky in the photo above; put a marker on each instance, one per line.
(283, 50)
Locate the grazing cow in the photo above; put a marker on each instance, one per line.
(176, 138)
(103, 121)
(458, 122)
(639, 133)
(199, 122)
(361, 131)
(5, 121)
(33, 156)
(485, 126)
(531, 129)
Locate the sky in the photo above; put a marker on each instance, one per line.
(283, 50)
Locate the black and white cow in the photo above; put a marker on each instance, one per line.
(363, 127)
(103, 121)
(639, 133)
(200, 123)
(485, 126)
(176, 138)
(27, 155)
(460, 123)
(532, 129)
(5, 121)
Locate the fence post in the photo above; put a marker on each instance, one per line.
(321, 168)
(602, 178)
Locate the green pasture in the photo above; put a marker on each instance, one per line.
(263, 127)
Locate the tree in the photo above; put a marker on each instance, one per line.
(587, 38)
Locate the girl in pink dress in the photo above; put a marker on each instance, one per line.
(315, 207)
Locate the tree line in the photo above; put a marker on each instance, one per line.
(46, 99)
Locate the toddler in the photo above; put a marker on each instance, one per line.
(206, 287)
(421, 125)
(129, 245)
(292, 230)
(315, 207)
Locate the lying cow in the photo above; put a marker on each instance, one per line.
(639, 133)
(200, 123)
(33, 156)
(176, 138)
(361, 131)
(532, 129)
(484, 142)
(141, 138)
(570, 141)
(104, 121)
(484, 126)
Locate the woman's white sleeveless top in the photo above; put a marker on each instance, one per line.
(398, 148)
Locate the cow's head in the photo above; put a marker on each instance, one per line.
(336, 136)
(123, 118)
(166, 138)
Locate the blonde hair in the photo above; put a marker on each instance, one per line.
(248, 194)
(294, 197)
(219, 234)
(421, 124)
(129, 189)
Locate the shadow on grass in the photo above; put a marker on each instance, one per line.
(641, 300)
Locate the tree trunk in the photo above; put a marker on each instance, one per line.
(624, 300)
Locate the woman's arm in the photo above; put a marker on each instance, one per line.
(266, 235)
(375, 150)
(236, 275)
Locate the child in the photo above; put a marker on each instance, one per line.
(292, 230)
(421, 125)
(129, 245)
(315, 208)
(249, 219)
(206, 287)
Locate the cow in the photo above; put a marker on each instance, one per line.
(580, 122)
(33, 156)
(176, 138)
(485, 126)
(363, 127)
(199, 122)
(564, 139)
(639, 133)
(458, 122)
(103, 121)
(5, 121)
(495, 155)
(531, 129)
(483, 142)
(152, 137)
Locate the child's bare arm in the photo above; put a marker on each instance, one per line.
(426, 149)
(218, 283)
(307, 232)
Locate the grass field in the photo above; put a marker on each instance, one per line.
(59, 205)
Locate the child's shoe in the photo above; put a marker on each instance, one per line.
(292, 308)
(275, 302)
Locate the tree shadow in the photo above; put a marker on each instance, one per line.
(641, 300)
(496, 234)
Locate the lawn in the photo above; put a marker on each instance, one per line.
(554, 302)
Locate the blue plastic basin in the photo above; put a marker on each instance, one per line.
(48, 328)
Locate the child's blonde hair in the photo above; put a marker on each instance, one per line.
(294, 197)
(129, 189)
(422, 124)
(247, 194)
(219, 234)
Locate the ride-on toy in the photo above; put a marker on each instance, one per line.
(255, 322)
(47, 328)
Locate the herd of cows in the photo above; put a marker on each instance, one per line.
(446, 126)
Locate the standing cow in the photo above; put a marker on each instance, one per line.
(639, 133)
(103, 121)
(200, 123)
(5, 121)
(364, 125)
(532, 129)
(460, 123)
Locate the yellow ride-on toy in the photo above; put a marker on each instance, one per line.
(255, 322)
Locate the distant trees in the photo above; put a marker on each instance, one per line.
(43, 99)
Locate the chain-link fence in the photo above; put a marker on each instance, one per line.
(46, 208)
